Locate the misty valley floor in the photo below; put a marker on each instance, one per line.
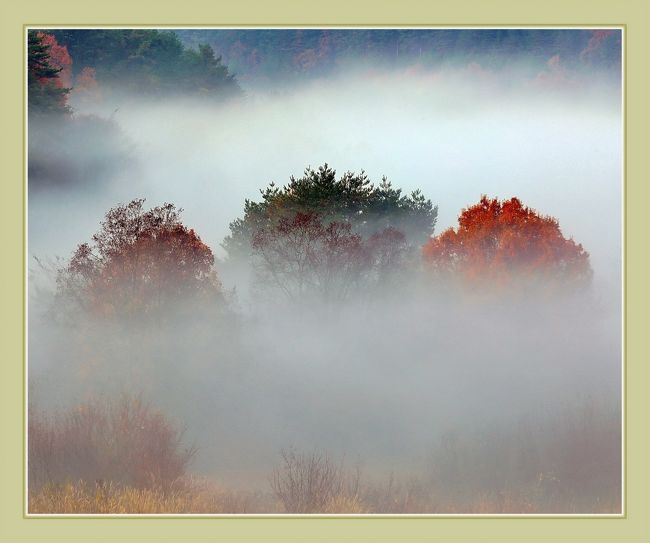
(327, 415)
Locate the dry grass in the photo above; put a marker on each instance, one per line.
(203, 497)
(399, 497)
(346, 505)
(127, 458)
(109, 498)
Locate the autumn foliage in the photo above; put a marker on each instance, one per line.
(59, 59)
(306, 257)
(500, 243)
(301, 255)
(140, 263)
(46, 62)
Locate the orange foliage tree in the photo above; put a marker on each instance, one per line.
(503, 243)
(140, 263)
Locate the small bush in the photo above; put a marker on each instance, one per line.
(125, 442)
(313, 483)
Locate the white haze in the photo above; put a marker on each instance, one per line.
(455, 139)
(382, 382)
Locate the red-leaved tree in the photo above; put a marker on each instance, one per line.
(60, 59)
(306, 258)
(503, 244)
(301, 256)
(141, 263)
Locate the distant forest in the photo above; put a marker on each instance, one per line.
(273, 53)
(153, 62)
(213, 62)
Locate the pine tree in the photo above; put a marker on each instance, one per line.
(352, 199)
(46, 95)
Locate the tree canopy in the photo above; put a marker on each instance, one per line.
(504, 242)
(140, 263)
(308, 260)
(150, 62)
(350, 199)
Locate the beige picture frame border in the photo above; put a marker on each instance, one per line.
(627, 15)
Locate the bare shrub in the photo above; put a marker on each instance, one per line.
(125, 441)
(314, 483)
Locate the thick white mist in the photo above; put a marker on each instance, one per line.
(454, 135)
(381, 383)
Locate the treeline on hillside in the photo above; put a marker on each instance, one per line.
(144, 62)
(275, 53)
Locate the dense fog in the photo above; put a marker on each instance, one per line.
(386, 379)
